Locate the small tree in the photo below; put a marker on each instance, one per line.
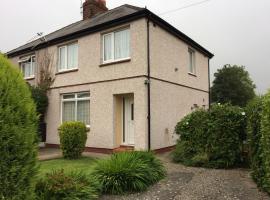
(18, 141)
(232, 85)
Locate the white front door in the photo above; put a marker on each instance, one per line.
(128, 120)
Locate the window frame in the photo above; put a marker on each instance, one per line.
(193, 64)
(32, 67)
(112, 33)
(75, 99)
(65, 46)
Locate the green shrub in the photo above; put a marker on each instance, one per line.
(226, 132)
(211, 138)
(254, 110)
(60, 186)
(192, 130)
(265, 142)
(73, 136)
(40, 98)
(128, 172)
(18, 131)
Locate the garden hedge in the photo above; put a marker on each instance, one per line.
(73, 136)
(254, 115)
(211, 138)
(265, 141)
(18, 135)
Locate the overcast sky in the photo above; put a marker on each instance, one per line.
(236, 31)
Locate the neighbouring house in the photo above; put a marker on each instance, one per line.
(126, 73)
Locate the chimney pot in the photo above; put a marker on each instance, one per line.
(93, 7)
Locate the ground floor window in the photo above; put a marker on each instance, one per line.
(76, 107)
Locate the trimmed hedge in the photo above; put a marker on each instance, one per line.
(265, 142)
(58, 185)
(128, 172)
(73, 136)
(211, 138)
(18, 135)
(254, 115)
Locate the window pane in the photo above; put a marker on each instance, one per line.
(83, 109)
(121, 44)
(72, 53)
(83, 95)
(68, 112)
(62, 58)
(107, 47)
(191, 61)
(33, 66)
(68, 96)
(27, 69)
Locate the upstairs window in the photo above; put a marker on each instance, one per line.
(76, 107)
(192, 67)
(116, 46)
(27, 66)
(68, 57)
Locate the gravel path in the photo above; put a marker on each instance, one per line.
(188, 183)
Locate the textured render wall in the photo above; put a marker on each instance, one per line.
(170, 103)
(169, 53)
(102, 130)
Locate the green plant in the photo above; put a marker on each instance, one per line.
(211, 138)
(73, 136)
(60, 186)
(192, 130)
(254, 111)
(226, 132)
(18, 130)
(40, 98)
(128, 172)
(265, 141)
(232, 84)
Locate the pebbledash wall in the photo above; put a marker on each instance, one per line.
(169, 101)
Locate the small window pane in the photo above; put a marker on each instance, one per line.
(72, 54)
(83, 95)
(62, 58)
(68, 111)
(107, 47)
(121, 44)
(191, 61)
(83, 109)
(69, 96)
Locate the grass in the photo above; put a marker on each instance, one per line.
(84, 164)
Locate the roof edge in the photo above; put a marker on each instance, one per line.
(134, 16)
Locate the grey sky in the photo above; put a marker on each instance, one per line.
(236, 31)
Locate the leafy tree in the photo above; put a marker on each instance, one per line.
(18, 142)
(233, 85)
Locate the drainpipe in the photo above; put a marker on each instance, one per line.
(148, 86)
(209, 87)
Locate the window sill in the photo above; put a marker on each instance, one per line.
(67, 71)
(115, 62)
(29, 78)
(191, 74)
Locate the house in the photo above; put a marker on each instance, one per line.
(126, 73)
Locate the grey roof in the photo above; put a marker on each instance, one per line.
(113, 17)
(110, 15)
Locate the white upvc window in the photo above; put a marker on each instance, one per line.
(76, 107)
(68, 57)
(192, 64)
(116, 46)
(27, 66)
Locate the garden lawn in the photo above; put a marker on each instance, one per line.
(84, 164)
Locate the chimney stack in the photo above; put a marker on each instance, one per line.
(93, 7)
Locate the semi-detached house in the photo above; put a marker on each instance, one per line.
(126, 73)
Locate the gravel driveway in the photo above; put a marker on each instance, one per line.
(188, 183)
